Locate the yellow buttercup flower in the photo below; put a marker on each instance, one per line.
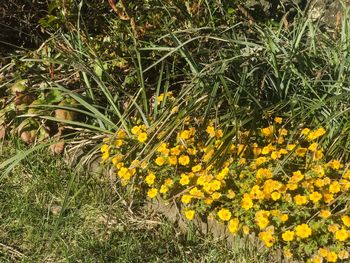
(136, 130)
(300, 199)
(196, 168)
(267, 238)
(186, 199)
(150, 178)
(332, 257)
(325, 213)
(185, 135)
(172, 160)
(315, 196)
(334, 187)
(341, 235)
(189, 214)
(163, 189)
(275, 195)
(278, 120)
(333, 228)
(175, 151)
(334, 164)
(268, 131)
(224, 214)
(185, 180)
(343, 254)
(288, 235)
(346, 220)
(184, 160)
(211, 131)
(160, 160)
(247, 202)
(142, 137)
(303, 231)
(230, 194)
(152, 193)
(233, 225)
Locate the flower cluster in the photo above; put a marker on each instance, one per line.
(270, 182)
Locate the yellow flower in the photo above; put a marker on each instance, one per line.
(315, 196)
(262, 221)
(211, 131)
(301, 152)
(175, 151)
(343, 254)
(288, 235)
(219, 134)
(341, 235)
(291, 147)
(163, 189)
(150, 178)
(105, 156)
(275, 155)
(169, 182)
(263, 173)
(303, 231)
(136, 130)
(325, 213)
(230, 194)
(287, 253)
(192, 151)
(160, 98)
(185, 180)
(163, 148)
(189, 214)
(334, 187)
(215, 195)
(333, 228)
(121, 134)
(184, 160)
(346, 220)
(186, 199)
(268, 131)
(332, 257)
(305, 131)
(267, 237)
(283, 132)
(224, 214)
(233, 225)
(116, 159)
(317, 259)
(246, 230)
(284, 217)
(196, 168)
(152, 193)
(278, 120)
(142, 137)
(247, 202)
(334, 164)
(160, 160)
(318, 155)
(300, 199)
(297, 177)
(313, 146)
(323, 252)
(118, 143)
(172, 160)
(275, 196)
(185, 135)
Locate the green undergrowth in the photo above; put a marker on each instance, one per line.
(51, 213)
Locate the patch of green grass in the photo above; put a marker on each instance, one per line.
(51, 213)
